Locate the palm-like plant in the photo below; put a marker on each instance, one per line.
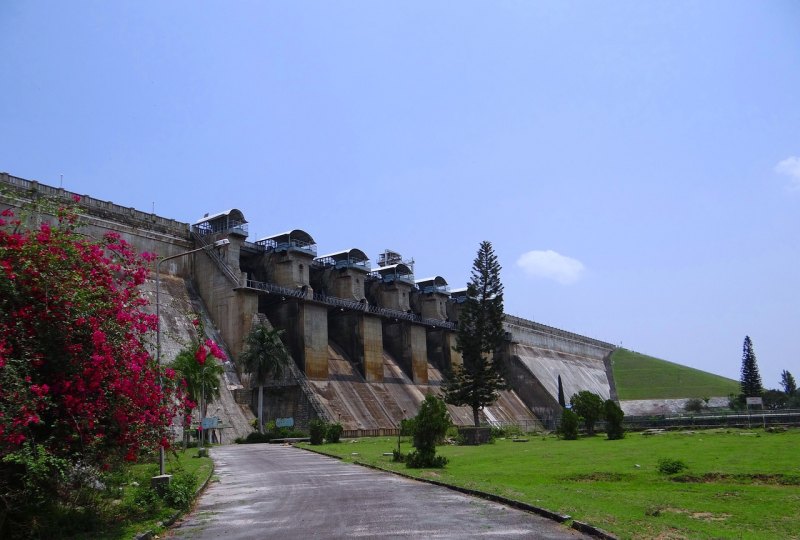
(202, 378)
(264, 355)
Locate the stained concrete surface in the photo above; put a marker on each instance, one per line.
(577, 372)
(358, 404)
(270, 491)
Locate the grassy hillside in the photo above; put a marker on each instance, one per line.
(639, 376)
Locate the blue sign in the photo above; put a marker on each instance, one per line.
(210, 422)
(284, 422)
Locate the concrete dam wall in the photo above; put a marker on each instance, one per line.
(537, 355)
(368, 343)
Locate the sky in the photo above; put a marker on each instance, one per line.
(636, 165)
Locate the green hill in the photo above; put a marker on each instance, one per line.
(639, 376)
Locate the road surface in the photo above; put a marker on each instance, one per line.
(273, 491)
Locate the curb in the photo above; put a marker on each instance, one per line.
(591, 530)
(169, 522)
(560, 518)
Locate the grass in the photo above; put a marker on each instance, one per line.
(738, 484)
(639, 376)
(134, 510)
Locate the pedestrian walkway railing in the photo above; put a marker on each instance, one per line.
(301, 292)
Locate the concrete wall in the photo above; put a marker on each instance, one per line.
(361, 338)
(430, 305)
(347, 283)
(391, 295)
(232, 309)
(407, 343)
(306, 326)
(547, 337)
(290, 268)
(145, 232)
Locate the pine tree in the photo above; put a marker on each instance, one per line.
(788, 383)
(751, 380)
(480, 335)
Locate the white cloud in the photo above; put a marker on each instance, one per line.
(551, 265)
(791, 168)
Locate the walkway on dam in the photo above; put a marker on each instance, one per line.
(271, 491)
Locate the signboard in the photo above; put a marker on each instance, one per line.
(755, 401)
(210, 422)
(284, 422)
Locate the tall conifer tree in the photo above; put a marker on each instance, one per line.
(561, 400)
(751, 380)
(480, 335)
(788, 383)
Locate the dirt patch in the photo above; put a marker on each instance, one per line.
(598, 477)
(708, 516)
(702, 516)
(431, 474)
(757, 479)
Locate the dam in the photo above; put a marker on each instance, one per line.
(367, 342)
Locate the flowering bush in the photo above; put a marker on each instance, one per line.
(76, 378)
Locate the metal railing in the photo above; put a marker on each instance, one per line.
(349, 304)
(205, 241)
(785, 417)
(276, 289)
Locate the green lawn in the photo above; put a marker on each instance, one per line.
(639, 376)
(135, 510)
(739, 484)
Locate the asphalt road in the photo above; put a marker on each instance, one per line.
(272, 491)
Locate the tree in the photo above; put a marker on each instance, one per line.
(589, 407)
(775, 399)
(613, 415)
(198, 372)
(264, 355)
(568, 426)
(788, 383)
(428, 427)
(480, 335)
(561, 400)
(78, 387)
(751, 380)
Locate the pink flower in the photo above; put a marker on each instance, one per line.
(201, 354)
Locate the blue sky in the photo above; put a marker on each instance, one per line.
(636, 165)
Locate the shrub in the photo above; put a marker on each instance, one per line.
(145, 501)
(694, 405)
(317, 429)
(397, 456)
(419, 459)
(670, 466)
(613, 415)
(180, 491)
(429, 427)
(334, 432)
(568, 427)
(254, 438)
(509, 430)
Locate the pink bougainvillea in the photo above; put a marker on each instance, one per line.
(75, 374)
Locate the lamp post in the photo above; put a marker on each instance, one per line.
(217, 244)
(399, 432)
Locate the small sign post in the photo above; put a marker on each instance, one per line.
(756, 401)
(284, 422)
